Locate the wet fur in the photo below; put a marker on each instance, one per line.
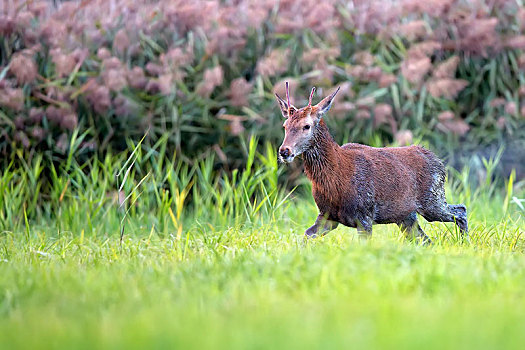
(358, 186)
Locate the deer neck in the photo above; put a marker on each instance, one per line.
(321, 159)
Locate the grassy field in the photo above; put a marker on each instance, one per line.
(219, 262)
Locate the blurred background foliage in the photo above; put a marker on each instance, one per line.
(445, 73)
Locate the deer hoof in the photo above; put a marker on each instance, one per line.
(311, 232)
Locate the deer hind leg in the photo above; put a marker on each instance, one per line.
(412, 230)
(435, 208)
(456, 213)
(321, 227)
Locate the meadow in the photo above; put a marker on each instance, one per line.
(140, 249)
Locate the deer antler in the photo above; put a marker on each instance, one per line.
(311, 95)
(288, 98)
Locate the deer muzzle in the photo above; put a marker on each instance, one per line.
(286, 154)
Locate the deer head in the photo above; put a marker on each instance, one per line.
(301, 125)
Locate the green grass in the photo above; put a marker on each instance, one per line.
(226, 266)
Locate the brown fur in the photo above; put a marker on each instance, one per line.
(358, 185)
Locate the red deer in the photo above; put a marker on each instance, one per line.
(357, 185)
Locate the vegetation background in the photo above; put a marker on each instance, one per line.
(141, 202)
(448, 72)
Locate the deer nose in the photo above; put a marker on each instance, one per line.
(285, 152)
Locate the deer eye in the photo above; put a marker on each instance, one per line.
(306, 127)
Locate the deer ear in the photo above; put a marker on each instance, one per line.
(284, 107)
(326, 103)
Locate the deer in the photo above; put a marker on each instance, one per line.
(359, 186)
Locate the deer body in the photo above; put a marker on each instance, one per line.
(358, 186)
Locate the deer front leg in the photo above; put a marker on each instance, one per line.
(364, 228)
(321, 227)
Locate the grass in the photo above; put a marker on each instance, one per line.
(215, 261)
